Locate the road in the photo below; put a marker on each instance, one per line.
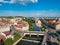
(48, 36)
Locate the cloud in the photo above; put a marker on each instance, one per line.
(23, 2)
(1, 0)
(34, 1)
(6, 1)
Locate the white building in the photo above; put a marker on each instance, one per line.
(38, 23)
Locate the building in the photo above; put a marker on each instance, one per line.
(5, 24)
(38, 23)
(58, 27)
(15, 20)
(4, 28)
(5, 35)
(20, 25)
(55, 24)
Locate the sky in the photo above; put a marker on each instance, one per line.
(30, 8)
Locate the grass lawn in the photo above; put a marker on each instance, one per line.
(9, 41)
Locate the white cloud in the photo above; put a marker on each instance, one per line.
(23, 2)
(34, 1)
(27, 1)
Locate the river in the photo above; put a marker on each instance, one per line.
(36, 28)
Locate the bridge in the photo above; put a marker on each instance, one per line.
(32, 33)
(26, 32)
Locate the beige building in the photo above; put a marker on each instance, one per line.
(4, 28)
(58, 27)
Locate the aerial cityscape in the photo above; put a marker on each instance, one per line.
(29, 22)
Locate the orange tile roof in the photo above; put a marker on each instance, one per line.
(5, 21)
(18, 26)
